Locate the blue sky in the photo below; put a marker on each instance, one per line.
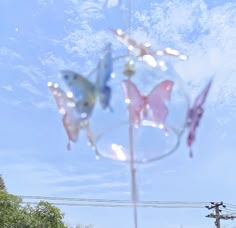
(38, 38)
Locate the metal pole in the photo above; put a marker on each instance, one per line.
(217, 222)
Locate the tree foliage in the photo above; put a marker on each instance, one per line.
(48, 215)
(14, 215)
(85, 226)
(2, 185)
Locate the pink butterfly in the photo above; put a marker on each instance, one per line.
(153, 104)
(195, 114)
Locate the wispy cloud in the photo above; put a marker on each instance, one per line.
(85, 42)
(207, 35)
(31, 83)
(31, 89)
(46, 181)
(56, 63)
(88, 9)
(34, 73)
(9, 54)
(8, 88)
(112, 3)
(46, 2)
(44, 178)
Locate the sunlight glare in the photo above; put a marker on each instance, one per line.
(119, 153)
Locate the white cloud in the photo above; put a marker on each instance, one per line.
(112, 3)
(47, 179)
(88, 9)
(31, 89)
(56, 63)
(85, 42)
(28, 86)
(8, 88)
(51, 60)
(208, 36)
(34, 73)
(46, 2)
(47, 103)
(9, 53)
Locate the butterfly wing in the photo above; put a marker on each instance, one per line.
(135, 101)
(105, 69)
(202, 96)
(157, 101)
(83, 92)
(67, 108)
(195, 114)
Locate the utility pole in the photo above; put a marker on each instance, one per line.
(217, 216)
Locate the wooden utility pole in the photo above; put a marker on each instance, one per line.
(217, 216)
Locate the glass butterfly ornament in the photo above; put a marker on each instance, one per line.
(157, 112)
(144, 50)
(143, 110)
(195, 114)
(77, 105)
(153, 105)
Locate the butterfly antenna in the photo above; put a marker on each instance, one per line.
(166, 131)
(190, 153)
(111, 109)
(68, 146)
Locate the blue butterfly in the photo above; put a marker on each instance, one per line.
(82, 91)
(85, 91)
(104, 72)
(77, 105)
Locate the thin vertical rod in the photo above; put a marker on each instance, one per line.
(133, 175)
(130, 16)
(130, 19)
(131, 142)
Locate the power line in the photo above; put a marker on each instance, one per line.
(111, 200)
(112, 205)
(88, 202)
(229, 204)
(94, 202)
(229, 225)
(230, 210)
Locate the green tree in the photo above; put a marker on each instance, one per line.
(85, 226)
(48, 215)
(11, 212)
(2, 184)
(14, 215)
